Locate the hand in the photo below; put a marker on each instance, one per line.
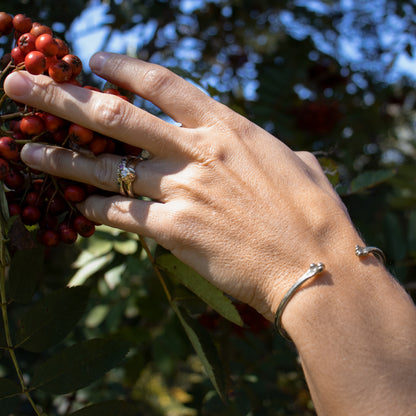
(226, 197)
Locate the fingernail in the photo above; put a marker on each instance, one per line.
(98, 61)
(32, 154)
(18, 85)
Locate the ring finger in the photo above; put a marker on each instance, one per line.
(101, 171)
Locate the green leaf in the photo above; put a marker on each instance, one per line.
(331, 170)
(79, 365)
(25, 271)
(369, 179)
(9, 396)
(112, 407)
(200, 286)
(205, 349)
(49, 320)
(125, 246)
(92, 267)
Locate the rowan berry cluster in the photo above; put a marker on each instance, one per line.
(42, 200)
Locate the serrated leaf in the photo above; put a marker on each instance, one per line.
(200, 286)
(205, 349)
(49, 320)
(9, 396)
(79, 365)
(369, 179)
(112, 407)
(25, 270)
(92, 267)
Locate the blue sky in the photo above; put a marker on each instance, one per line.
(88, 35)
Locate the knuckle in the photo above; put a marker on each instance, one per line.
(104, 175)
(109, 112)
(156, 80)
(45, 93)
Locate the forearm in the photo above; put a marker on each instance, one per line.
(355, 330)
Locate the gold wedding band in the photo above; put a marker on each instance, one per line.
(126, 175)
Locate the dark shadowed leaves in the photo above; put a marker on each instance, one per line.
(113, 407)
(79, 365)
(9, 396)
(25, 271)
(49, 320)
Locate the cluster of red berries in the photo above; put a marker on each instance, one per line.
(39, 199)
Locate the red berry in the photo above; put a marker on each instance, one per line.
(22, 23)
(32, 125)
(50, 60)
(4, 168)
(91, 88)
(49, 221)
(15, 180)
(53, 123)
(6, 23)
(57, 205)
(8, 148)
(111, 146)
(46, 44)
(75, 193)
(83, 226)
(49, 238)
(98, 144)
(38, 184)
(131, 150)
(14, 209)
(26, 43)
(62, 48)
(17, 55)
(60, 71)
(38, 29)
(35, 62)
(67, 234)
(80, 135)
(30, 215)
(75, 63)
(33, 199)
(59, 136)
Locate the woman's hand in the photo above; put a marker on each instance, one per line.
(226, 197)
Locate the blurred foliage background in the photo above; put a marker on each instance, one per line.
(335, 77)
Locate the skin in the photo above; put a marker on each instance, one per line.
(250, 215)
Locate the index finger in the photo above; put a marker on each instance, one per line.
(104, 113)
(178, 98)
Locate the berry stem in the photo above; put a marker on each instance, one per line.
(156, 269)
(10, 116)
(5, 70)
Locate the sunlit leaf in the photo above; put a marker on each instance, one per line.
(92, 267)
(200, 286)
